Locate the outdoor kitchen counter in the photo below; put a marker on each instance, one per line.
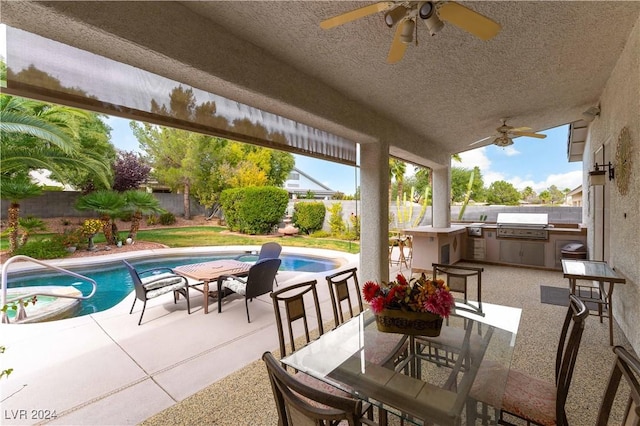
(436, 245)
(482, 244)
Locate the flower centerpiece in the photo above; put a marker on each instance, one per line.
(414, 306)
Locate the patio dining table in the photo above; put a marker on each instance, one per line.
(206, 272)
(433, 382)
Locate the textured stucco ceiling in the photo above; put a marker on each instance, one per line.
(549, 63)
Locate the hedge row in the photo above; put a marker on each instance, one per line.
(254, 210)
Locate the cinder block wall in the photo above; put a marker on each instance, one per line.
(61, 204)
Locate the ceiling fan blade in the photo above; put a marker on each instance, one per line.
(480, 140)
(356, 14)
(468, 20)
(520, 129)
(396, 52)
(529, 134)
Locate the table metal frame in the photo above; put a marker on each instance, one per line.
(601, 272)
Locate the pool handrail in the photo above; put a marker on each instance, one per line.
(5, 270)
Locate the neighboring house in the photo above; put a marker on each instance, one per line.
(299, 184)
(574, 198)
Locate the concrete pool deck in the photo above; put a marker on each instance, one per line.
(105, 369)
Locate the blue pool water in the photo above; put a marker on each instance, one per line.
(114, 282)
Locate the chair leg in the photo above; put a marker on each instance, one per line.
(246, 305)
(134, 304)
(144, 305)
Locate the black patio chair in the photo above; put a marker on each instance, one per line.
(259, 281)
(155, 282)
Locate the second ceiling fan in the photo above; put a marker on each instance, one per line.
(403, 15)
(505, 134)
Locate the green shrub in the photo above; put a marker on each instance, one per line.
(254, 209)
(43, 249)
(309, 217)
(167, 218)
(335, 220)
(152, 219)
(320, 234)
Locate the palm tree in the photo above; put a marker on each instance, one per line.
(140, 203)
(109, 205)
(28, 225)
(37, 135)
(397, 169)
(16, 189)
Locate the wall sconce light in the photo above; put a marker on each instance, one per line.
(591, 114)
(597, 175)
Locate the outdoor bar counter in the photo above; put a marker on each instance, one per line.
(435, 245)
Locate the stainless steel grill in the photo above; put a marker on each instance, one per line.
(523, 225)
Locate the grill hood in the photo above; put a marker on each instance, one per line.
(523, 220)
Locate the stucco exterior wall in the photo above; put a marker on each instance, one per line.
(620, 107)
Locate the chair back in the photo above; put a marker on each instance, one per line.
(261, 276)
(568, 346)
(295, 400)
(292, 301)
(270, 250)
(344, 287)
(457, 277)
(625, 366)
(137, 282)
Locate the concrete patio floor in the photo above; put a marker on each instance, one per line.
(104, 369)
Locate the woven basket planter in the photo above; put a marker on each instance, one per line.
(413, 323)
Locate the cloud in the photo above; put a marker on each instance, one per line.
(569, 180)
(510, 151)
(473, 158)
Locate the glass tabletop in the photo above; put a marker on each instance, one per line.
(590, 269)
(432, 381)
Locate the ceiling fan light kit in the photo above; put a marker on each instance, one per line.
(395, 15)
(426, 12)
(408, 26)
(404, 14)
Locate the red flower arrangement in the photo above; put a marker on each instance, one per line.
(417, 295)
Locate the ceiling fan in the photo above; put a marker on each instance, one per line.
(505, 134)
(404, 14)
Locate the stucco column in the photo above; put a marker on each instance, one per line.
(442, 197)
(374, 191)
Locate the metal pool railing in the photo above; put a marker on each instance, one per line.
(21, 314)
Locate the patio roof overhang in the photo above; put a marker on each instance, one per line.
(549, 63)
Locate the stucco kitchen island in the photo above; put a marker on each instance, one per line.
(435, 245)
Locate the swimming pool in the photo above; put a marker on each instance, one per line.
(114, 282)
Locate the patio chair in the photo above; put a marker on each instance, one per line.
(457, 278)
(259, 281)
(527, 397)
(300, 403)
(293, 301)
(345, 290)
(155, 282)
(270, 250)
(625, 366)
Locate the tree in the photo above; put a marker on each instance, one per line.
(16, 189)
(139, 203)
(129, 171)
(39, 135)
(545, 196)
(557, 196)
(109, 205)
(397, 169)
(460, 178)
(528, 194)
(501, 192)
(203, 165)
